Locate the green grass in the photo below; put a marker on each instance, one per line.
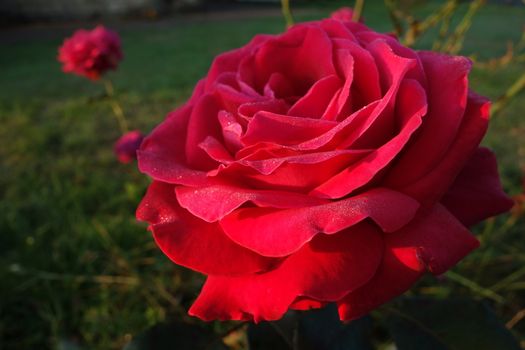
(74, 263)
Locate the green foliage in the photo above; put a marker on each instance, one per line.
(77, 270)
(164, 336)
(312, 330)
(422, 323)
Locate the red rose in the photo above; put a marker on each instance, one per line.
(326, 164)
(90, 53)
(343, 14)
(127, 145)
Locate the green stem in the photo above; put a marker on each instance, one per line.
(512, 91)
(287, 13)
(358, 10)
(455, 42)
(476, 288)
(118, 112)
(101, 279)
(394, 17)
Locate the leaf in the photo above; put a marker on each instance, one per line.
(276, 335)
(66, 344)
(312, 330)
(449, 324)
(322, 330)
(176, 335)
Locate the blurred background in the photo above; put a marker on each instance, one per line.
(52, 10)
(76, 269)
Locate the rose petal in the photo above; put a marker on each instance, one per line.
(191, 242)
(269, 164)
(329, 139)
(323, 270)
(216, 150)
(278, 86)
(283, 232)
(231, 131)
(162, 167)
(435, 241)
(304, 304)
(441, 240)
(229, 61)
(412, 101)
(267, 161)
(301, 172)
(367, 38)
(392, 279)
(248, 110)
(476, 193)
(214, 202)
(447, 99)
(202, 123)
(433, 185)
(282, 129)
(342, 102)
(307, 44)
(367, 115)
(315, 102)
(161, 156)
(231, 99)
(365, 86)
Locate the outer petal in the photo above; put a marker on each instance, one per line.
(322, 270)
(282, 232)
(431, 187)
(212, 203)
(435, 241)
(476, 193)
(303, 303)
(194, 243)
(447, 100)
(393, 278)
(203, 122)
(161, 154)
(441, 240)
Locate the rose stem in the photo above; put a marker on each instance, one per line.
(115, 106)
(287, 13)
(358, 9)
(512, 91)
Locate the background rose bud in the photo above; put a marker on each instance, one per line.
(127, 145)
(91, 53)
(326, 164)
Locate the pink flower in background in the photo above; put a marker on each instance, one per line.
(127, 145)
(328, 164)
(344, 14)
(90, 53)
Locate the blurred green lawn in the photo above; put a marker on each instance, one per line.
(74, 263)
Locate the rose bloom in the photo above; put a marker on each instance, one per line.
(127, 145)
(326, 164)
(343, 14)
(90, 53)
